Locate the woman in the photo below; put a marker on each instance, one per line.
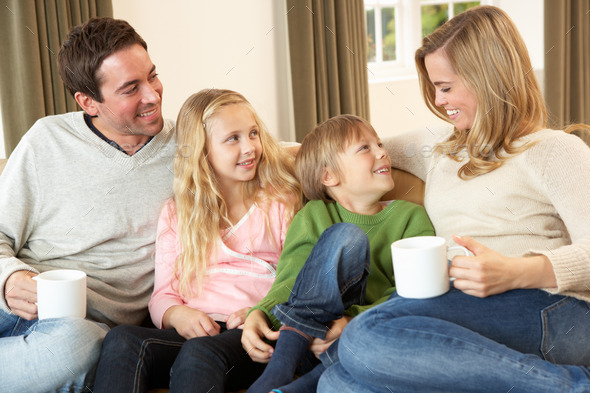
(519, 306)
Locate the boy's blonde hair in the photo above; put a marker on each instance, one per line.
(488, 54)
(200, 206)
(320, 149)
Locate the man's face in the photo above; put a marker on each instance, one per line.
(132, 96)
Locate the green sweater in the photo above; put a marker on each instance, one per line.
(399, 219)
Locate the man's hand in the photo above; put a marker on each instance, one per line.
(20, 293)
(256, 328)
(319, 346)
(190, 323)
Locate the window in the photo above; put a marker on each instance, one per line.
(395, 29)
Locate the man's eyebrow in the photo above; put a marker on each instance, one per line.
(133, 82)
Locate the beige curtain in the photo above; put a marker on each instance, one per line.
(30, 86)
(567, 61)
(328, 48)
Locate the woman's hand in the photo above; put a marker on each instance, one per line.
(319, 346)
(190, 323)
(488, 272)
(257, 328)
(236, 319)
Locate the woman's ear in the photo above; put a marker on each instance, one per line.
(329, 178)
(87, 103)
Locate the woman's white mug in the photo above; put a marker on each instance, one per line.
(61, 293)
(421, 266)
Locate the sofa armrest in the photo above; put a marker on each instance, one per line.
(407, 187)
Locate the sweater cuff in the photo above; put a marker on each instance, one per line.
(570, 269)
(275, 323)
(9, 266)
(159, 307)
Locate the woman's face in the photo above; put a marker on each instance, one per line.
(450, 92)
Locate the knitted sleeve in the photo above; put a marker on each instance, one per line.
(412, 151)
(19, 207)
(566, 182)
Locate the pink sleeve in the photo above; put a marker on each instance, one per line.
(164, 296)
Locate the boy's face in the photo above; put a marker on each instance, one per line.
(365, 169)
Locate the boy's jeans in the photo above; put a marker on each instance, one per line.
(52, 355)
(460, 343)
(333, 278)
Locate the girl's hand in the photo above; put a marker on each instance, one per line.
(489, 272)
(236, 319)
(319, 346)
(257, 328)
(190, 323)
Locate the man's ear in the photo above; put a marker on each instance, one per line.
(329, 178)
(87, 103)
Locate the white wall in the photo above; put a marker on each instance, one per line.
(397, 105)
(234, 44)
(242, 45)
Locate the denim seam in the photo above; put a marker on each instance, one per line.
(144, 345)
(545, 322)
(315, 331)
(352, 281)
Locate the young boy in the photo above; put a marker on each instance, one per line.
(323, 275)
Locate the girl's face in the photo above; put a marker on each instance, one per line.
(451, 93)
(234, 145)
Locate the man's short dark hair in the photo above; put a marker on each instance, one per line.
(86, 46)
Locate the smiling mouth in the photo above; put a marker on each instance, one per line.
(382, 170)
(246, 163)
(453, 112)
(149, 113)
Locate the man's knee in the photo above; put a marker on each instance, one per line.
(71, 347)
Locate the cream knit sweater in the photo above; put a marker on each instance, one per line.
(533, 204)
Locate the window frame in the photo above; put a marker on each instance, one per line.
(408, 32)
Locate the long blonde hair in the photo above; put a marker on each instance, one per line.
(488, 54)
(200, 206)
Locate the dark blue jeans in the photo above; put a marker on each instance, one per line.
(136, 359)
(333, 278)
(460, 343)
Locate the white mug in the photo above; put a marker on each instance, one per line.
(61, 293)
(421, 266)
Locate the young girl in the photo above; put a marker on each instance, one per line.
(218, 243)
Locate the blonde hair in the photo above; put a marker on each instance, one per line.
(488, 54)
(320, 149)
(200, 206)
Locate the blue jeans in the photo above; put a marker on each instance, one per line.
(333, 278)
(136, 359)
(52, 355)
(460, 343)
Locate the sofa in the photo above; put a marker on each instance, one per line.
(407, 187)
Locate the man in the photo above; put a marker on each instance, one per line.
(83, 191)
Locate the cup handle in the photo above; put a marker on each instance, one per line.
(466, 251)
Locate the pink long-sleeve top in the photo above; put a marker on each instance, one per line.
(241, 269)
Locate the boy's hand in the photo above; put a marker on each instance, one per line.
(256, 328)
(236, 319)
(190, 323)
(319, 346)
